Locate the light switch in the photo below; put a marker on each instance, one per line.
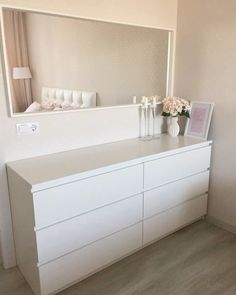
(27, 128)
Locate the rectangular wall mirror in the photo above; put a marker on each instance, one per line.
(56, 63)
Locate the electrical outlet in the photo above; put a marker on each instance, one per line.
(27, 128)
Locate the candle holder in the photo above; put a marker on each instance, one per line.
(148, 112)
(148, 117)
(154, 118)
(145, 123)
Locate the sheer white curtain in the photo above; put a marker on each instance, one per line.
(17, 55)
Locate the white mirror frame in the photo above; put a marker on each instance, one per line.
(170, 61)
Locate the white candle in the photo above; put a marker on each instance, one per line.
(154, 100)
(134, 99)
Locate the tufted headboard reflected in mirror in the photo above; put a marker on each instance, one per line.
(60, 63)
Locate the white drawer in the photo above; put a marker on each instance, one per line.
(62, 202)
(172, 168)
(163, 224)
(67, 236)
(79, 264)
(175, 193)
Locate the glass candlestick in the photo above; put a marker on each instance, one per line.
(145, 123)
(153, 108)
(154, 117)
(148, 117)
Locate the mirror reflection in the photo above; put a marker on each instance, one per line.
(56, 63)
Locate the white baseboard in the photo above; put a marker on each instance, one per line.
(221, 224)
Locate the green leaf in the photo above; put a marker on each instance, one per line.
(187, 114)
(165, 114)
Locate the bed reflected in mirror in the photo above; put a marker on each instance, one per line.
(56, 63)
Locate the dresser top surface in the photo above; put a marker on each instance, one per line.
(49, 170)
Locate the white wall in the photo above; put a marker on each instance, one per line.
(206, 70)
(72, 53)
(73, 130)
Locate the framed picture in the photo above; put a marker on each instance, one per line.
(200, 119)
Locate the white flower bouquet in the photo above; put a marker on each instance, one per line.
(175, 106)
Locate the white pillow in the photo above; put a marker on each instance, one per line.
(68, 96)
(44, 95)
(52, 92)
(77, 97)
(59, 96)
(89, 99)
(34, 107)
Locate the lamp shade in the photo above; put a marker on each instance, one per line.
(21, 73)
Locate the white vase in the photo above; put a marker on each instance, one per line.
(173, 127)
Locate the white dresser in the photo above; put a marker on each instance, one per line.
(77, 212)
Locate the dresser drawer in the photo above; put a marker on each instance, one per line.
(67, 236)
(62, 202)
(175, 193)
(164, 223)
(172, 168)
(79, 264)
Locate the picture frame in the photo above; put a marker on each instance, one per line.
(200, 118)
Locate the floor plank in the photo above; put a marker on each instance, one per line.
(198, 260)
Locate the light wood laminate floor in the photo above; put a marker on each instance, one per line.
(198, 260)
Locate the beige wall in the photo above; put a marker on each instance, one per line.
(206, 70)
(151, 13)
(116, 61)
(58, 132)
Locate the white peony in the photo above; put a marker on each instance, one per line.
(174, 106)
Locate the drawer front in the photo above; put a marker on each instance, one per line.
(175, 193)
(79, 264)
(67, 236)
(162, 171)
(68, 200)
(163, 224)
